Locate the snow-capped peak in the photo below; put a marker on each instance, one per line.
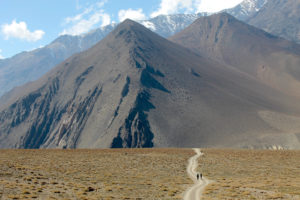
(252, 5)
(246, 9)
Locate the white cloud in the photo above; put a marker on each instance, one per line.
(77, 17)
(216, 5)
(1, 57)
(101, 3)
(173, 6)
(86, 20)
(78, 6)
(84, 25)
(105, 19)
(192, 6)
(131, 14)
(20, 31)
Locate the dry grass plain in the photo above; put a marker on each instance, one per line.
(251, 174)
(147, 174)
(94, 174)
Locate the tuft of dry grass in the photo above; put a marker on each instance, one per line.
(251, 174)
(94, 174)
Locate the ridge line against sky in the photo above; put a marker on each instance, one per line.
(27, 25)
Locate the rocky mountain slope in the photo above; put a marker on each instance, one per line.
(137, 89)
(246, 9)
(271, 60)
(279, 17)
(29, 66)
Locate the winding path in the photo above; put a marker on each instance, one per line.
(195, 192)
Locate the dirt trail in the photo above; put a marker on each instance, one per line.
(195, 192)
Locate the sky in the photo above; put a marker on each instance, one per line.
(27, 25)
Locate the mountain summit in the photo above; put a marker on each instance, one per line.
(137, 89)
(271, 60)
(31, 65)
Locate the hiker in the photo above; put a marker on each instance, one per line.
(201, 176)
(197, 176)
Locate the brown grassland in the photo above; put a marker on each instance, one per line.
(251, 174)
(94, 174)
(147, 174)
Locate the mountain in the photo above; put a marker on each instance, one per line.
(279, 17)
(271, 60)
(246, 9)
(168, 25)
(29, 66)
(137, 89)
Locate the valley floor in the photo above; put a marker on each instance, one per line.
(147, 174)
(94, 174)
(251, 174)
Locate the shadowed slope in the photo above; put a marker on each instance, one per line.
(272, 60)
(137, 89)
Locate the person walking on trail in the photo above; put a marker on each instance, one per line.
(201, 176)
(198, 176)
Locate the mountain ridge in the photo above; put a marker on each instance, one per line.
(137, 89)
(36, 135)
(249, 49)
(246, 9)
(28, 66)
